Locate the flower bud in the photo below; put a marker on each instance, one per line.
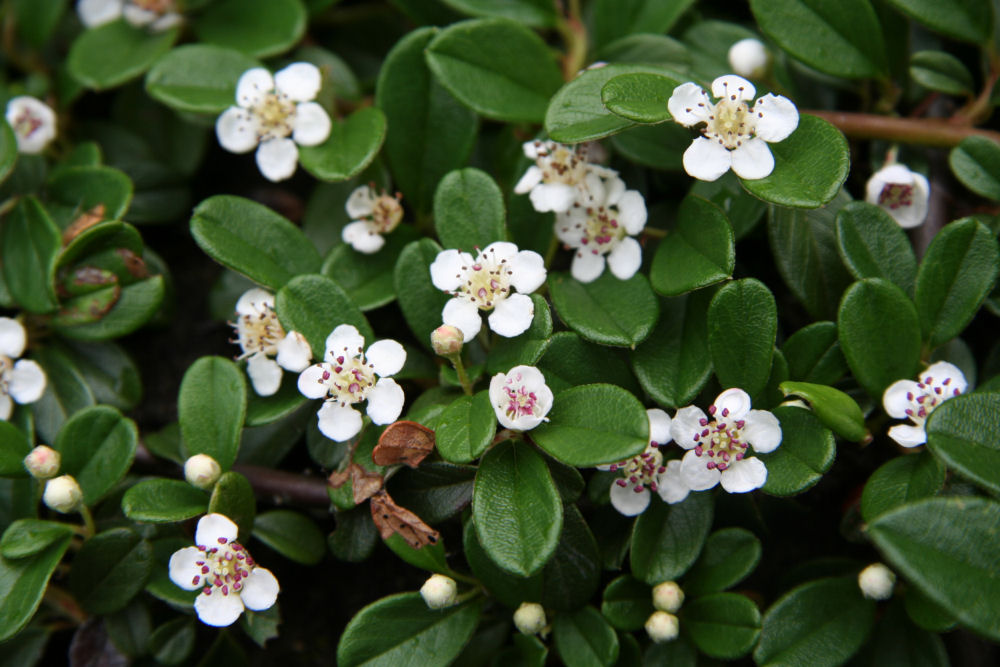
(62, 494)
(749, 58)
(662, 627)
(202, 470)
(42, 462)
(447, 340)
(530, 618)
(876, 582)
(668, 597)
(439, 591)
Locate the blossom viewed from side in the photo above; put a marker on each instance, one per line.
(33, 122)
(261, 336)
(350, 375)
(372, 215)
(484, 283)
(439, 591)
(735, 134)
(21, 380)
(156, 15)
(902, 193)
(62, 494)
(520, 398)
(275, 115)
(43, 462)
(906, 399)
(553, 183)
(719, 444)
(529, 618)
(749, 58)
(225, 572)
(662, 627)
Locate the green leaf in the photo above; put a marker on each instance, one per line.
(956, 275)
(742, 325)
(697, 252)
(584, 639)
(594, 424)
(813, 354)
(838, 411)
(533, 13)
(430, 557)
(947, 547)
(163, 501)
(233, 497)
(26, 537)
(110, 569)
(172, 642)
(211, 406)
(22, 584)
(570, 361)
(262, 410)
(667, 539)
(253, 240)
(468, 210)
(14, 446)
(843, 40)
(368, 279)
(97, 445)
(627, 603)
(640, 97)
(419, 300)
(497, 68)
(66, 392)
(353, 144)
(941, 71)
(962, 432)
(434, 491)
(84, 187)
(879, 334)
(29, 245)
(657, 146)
(400, 631)
(926, 613)
(967, 20)
(618, 18)
(524, 349)
(291, 534)
(899, 481)
(821, 623)
(646, 48)
(258, 28)
(807, 451)
(8, 150)
(608, 311)
(810, 166)
(721, 625)
(729, 556)
(514, 504)
(896, 641)
(111, 54)
(873, 245)
(134, 306)
(976, 163)
(742, 209)
(466, 428)
(314, 306)
(200, 78)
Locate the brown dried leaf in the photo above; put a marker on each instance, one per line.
(133, 263)
(364, 484)
(391, 518)
(83, 222)
(403, 442)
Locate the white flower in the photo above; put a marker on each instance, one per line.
(157, 15)
(668, 597)
(371, 217)
(202, 471)
(439, 591)
(736, 135)
(906, 399)
(530, 618)
(662, 627)
(719, 447)
(902, 193)
(876, 582)
(351, 375)
(21, 381)
(33, 122)
(277, 113)
(62, 494)
(484, 283)
(261, 336)
(748, 58)
(42, 462)
(520, 398)
(229, 578)
(558, 175)
(646, 472)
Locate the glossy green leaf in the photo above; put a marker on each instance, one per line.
(570, 361)
(173, 642)
(8, 150)
(742, 209)
(807, 451)
(963, 433)
(419, 300)
(640, 97)
(29, 245)
(82, 188)
(645, 47)
(658, 146)
(618, 18)
(111, 54)
(211, 406)
(899, 481)
(534, 13)
(434, 491)
(314, 306)
(584, 639)
(97, 446)
(200, 78)
(976, 163)
(255, 27)
(291, 534)
(353, 144)
(232, 496)
(813, 354)
(368, 279)
(873, 245)
(926, 613)
(667, 539)
(721, 625)
(729, 556)
(163, 500)
(26, 537)
(941, 71)
(430, 557)
(22, 583)
(627, 603)
(110, 569)
(133, 307)
(263, 410)
(742, 325)
(468, 210)
(524, 349)
(466, 428)
(608, 311)
(14, 446)
(697, 252)
(66, 392)
(838, 411)
(967, 20)
(896, 641)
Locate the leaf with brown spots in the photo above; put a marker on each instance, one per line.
(391, 518)
(83, 222)
(403, 442)
(364, 484)
(133, 263)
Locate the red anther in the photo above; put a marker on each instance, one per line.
(703, 421)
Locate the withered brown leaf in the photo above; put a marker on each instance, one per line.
(403, 442)
(364, 484)
(391, 518)
(83, 222)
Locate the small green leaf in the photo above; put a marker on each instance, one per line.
(84, 187)
(608, 311)
(8, 150)
(351, 147)
(314, 306)
(967, 20)
(26, 537)
(627, 603)
(258, 28)
(658, 146)
(200, 78)
(110, 569)
(721, 625)
(419, 300)
(164, 501)
(14, 446)
(22, 584)
(976, 163)
(941, 71)
(66, 392)
(807, 451)
(570, 361)
(618, 18)
(111, 54)
(524, 349)
(640, 97)
(466, 428)
(900, 481)
(742, 325)
(697, 252)
(211, 406)
(667, 539)
(468, 210)
(232, 496)
(97, 446)
(873, 245)
(291, 534)
(430, 557)
(172, 642)
(729, 556)
(897, 641)
(533, 13)
(134, 306)
(29, 245)
(584, 639)
(963, 433)
(838, 411)
(813, 354)
(368, 279)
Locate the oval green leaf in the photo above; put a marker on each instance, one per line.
(291, 534)
(640, 97)
(838, 411)
(667, 539)
(967, 20)
(211, 406)
(976, 163)
(353, 144)
(697, 252)
(110, 569)
(807, 451)
(721, 625)
(255, 27)
(97, 445)
(466, 428)
(899, 481)
(200, 78)
(964, 432)
(111, 54)
(873, 245)
(584, 639)
(468, 210)
(163, 501)
(742, 325)
(729, 556)
(315, 306)
(608, 311)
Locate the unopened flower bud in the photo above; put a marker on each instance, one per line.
(447, 340)
(876, 582)
(668, 597)
(749, 58)
(42, 462)
(530, 618)
(62, 494)
(662, 627)
(202, 470)
(439, 591)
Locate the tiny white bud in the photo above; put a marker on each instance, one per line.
(447, 340)
(62, 494)
(876, 582)
(662, 627)
(202, 470)
(42, 462)
(748, 58)
(439, 591)
(668, 596)
(530, 618)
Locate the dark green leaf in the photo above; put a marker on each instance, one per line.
(468, 210)
(351, 147)
(607, 311)
(873, 245)
(368, 279)
(109, 372)
(110, 570)
(256, 27)
(896, 641)
(419, 300)
(627, 603)
(838, 411)
(534, 13)
(813, 354)
(314, 306)
(976, 162)
(97, 446)
(29, 245)
(163, 500)
(66, 392)
(729, 556)
(111, 54)
(172, 642)
(940, 71)
(570, 361)
(14, 446)
(26, 537)
(721, 625)
(658, 146)
(8, 150)
(291, 534)
(617, 18)
(466, 428)
(524, 349)
(200, 78)
(807, 451)
(22, 584)
(667, 539)
(82, 188)
(584, 639)
(742, 325)
(640, 97)
(967, 20)
(232, 496)
(963, 433)
(698, 251)
(133, 307)
(900, 481)
(211, 406)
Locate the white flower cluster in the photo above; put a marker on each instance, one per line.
(915, 401)
(21, 381)
(261, 336)
(372, 215)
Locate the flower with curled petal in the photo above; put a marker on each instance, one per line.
(21, 381)
(372, 216)
(906, 399)
(902, 193)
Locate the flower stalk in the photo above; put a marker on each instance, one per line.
(922, 131)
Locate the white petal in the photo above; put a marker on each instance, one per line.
(762, 431)
(312, 124)
(553, 197)
(587, 265)
(745, 475)
(527, 271)
(277, 159)
(218, 610)
(260, 589)
(530, 179)
(530, 149)
(183, 568)
(512, 316)
(941, 371)
(215, 529)
(386, 357)
(138, 16)
(910, 216)
(695, 473)
(294, 353)
(593, 192)
(894, 399)
(689, 104)
(345, 339)
(753, 160)
(166, 22)
(625, 259)
(299, 81)
(6, 407)
(27, 381)
(13, 338)
(627, 501)
(632, 211)
(685, 425)
(736, 88)
(732, 404)
(615, 190)
(338, 422)
(265, 374)
(659, 426)
(236, 130)
(532, 381)
(706, 160)
(385, 401)
(570, 226)
(464, 315)
(670, 484)
(776, 117)
(253, 85)
(254, 301)
(500, 251)
(446, 269)
(361, 202)
(362, 237)
(310, 382)
(908, 436)
(94, 13)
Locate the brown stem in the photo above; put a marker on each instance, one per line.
(924, 131)
(574, 35)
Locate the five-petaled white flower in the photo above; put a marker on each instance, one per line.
(157, 15)
(520, 398)
(902, 193)
(261, 336)
(33, 122)
(21, 381)
(277, 113)
(735, 134)
(228, 577)
(719, 446)
(351, 375)
(906, 399)
(484, 283)
(559, 174)
(371, 216)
